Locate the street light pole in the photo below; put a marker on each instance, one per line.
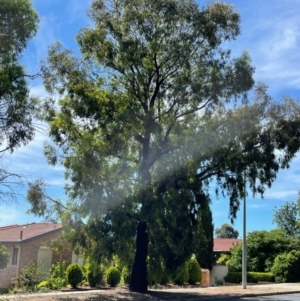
(244, 268)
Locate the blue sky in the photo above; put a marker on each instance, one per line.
(270, 33)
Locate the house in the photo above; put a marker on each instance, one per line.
(223, 245)
(29, 243)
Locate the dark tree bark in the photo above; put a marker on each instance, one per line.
(138, 281)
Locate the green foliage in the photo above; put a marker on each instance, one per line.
(286, 267)
(30, 276)
(219, 282)
(226, 231)
(204, 233)
(268, 277)
(4, 256)
(18, 25)
(125, 275)
(287, 218)
(194, 270)
(254, 277)
(144, 143)
(223, 259)
(4, 290)
(157, 272)
(181, 275)
(94, 275)
(58, 278)
(74, 274)
(113, 276)
(44, 283)
(262, 248)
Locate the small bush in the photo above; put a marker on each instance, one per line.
(195, 273)
(113, 276)
(286, 267)
(4, 290)
(30, 276)
(181, 274)
(94, 275)
(74, 274)
(58, 278)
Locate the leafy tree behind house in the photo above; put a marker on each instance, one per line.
(262, 248)
(287, 218)
(141, 143)
(226, 231)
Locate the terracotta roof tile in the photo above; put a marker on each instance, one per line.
(13, 233)
(225, 244)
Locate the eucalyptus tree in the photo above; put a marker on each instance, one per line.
(18, 24)
(154, 113)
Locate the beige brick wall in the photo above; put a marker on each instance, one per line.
(9, 272)
(29, 250)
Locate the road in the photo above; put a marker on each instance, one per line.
(291, 297)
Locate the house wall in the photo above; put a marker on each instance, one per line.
(66, 255)
(29, 250)
(10, 271)
(28, 253)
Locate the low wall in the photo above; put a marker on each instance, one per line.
(205, 278)
(218, 272)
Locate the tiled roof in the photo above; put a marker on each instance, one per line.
(16, 233)
(225, 244)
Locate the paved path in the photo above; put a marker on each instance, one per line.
(191, 294)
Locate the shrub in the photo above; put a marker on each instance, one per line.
(58, 277)
(30, 276)
(181, 274)
(94, 275)
(113, 276)
(74, 274)
(195, 274)
(286, 267)
(43, 284)
(254, 277)
(157, 272)
(257, 276)
(4, 290)
(126, 275)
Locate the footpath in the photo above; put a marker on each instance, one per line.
(178, 294)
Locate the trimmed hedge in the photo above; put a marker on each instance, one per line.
(254, 277)
(113, 276)
(74, 274)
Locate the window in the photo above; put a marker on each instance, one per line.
(15, 256)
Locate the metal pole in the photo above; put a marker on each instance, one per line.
(244, 269)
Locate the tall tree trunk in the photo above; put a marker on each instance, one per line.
(138, 282)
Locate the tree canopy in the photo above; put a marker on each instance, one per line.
(18, 24)
(154, 111)
(262, 249)
(287, 217)
(226, 231)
